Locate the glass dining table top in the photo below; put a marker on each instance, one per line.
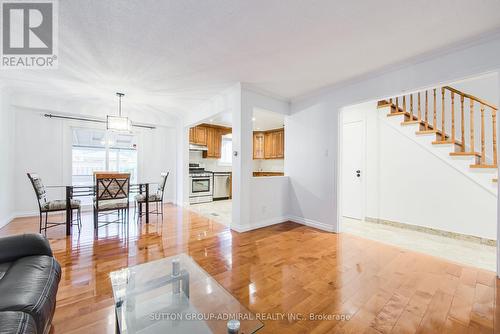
(175, 295)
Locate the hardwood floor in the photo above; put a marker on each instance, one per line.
(283, 268)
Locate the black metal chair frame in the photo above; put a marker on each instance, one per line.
(42, 199)
(103, 194)
(158, 202)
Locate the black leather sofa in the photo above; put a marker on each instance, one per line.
(29, 277)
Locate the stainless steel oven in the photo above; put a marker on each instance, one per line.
(200, 187)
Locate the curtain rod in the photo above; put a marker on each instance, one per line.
(94, 120)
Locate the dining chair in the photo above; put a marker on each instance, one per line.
(45, 206)
(155, 197)
(111, 196)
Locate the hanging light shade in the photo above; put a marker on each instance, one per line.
(118, 123)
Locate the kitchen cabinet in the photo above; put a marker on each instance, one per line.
(274, 144)
(214, 142)
(258, 145)
(198, 135)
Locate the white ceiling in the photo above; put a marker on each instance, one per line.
(262, 120)
(267, 120)
(172, 55)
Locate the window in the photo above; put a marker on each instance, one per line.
(97, 150)
(226, 157)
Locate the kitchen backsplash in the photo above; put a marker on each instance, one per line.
(258, 165)
(209, 164)
(271, 165)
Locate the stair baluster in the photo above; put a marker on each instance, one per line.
(443, 132)
(452, 117)
(483, 148)
(426, 111)
(419, 111)
(471, 109)
(411, 107)
(397, 104)
(404, 105)
(494, 130)
(462, 121)
(434, 119)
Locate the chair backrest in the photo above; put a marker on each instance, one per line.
(109, 186)
(161, 185)
(38, 186)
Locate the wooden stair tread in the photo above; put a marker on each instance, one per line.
(458, 154)
(410, 122)
(483, 166)
(384, 104)
(395, 114)
(425, 132)
(441, 142)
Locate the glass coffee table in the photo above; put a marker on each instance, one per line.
(175, 295)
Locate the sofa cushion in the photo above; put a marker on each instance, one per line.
(17, 323)
(30, 285)
(4, 267)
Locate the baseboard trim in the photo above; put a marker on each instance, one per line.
(7, 220)
(430, 230)
(311, 223)
(261, 224)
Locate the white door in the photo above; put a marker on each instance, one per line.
(352, 170)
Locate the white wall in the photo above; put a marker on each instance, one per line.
(270, 199)
(43, 145)
(6, 157)
(253, 204)
(408, 183)
(313, 123)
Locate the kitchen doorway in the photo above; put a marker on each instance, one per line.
(210, 168)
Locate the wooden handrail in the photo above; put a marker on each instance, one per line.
(472, 97)
(418, 113)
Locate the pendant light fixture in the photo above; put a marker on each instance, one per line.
(118, 123)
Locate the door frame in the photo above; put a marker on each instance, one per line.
(340, 163)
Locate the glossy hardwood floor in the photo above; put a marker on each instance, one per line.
(284, 268)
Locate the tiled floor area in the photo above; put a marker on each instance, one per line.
(220, 211)
(460, 251)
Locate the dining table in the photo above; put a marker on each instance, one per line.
(74, 191)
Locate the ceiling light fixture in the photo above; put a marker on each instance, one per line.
(118, 123)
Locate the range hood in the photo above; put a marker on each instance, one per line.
(193, 147)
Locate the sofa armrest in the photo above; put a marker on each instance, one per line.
(17, 246)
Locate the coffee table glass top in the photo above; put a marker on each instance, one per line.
(175, 295)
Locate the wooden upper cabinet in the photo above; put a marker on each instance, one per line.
(280, 145)
(273, 144)
(268, 145)
(214, 142)
(198, 135)
(258, 145)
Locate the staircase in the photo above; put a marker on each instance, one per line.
(461, 124)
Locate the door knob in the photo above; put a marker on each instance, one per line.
(358, 173)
